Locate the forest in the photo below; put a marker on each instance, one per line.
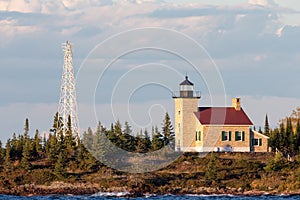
(62, 157)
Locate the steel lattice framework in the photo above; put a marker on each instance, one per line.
(67, 102)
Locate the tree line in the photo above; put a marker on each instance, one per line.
(64, 152)
(286, 137)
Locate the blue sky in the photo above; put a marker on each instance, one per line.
(253, 43)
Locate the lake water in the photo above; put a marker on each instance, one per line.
(167, 197)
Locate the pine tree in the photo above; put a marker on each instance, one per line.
(297, 137)
(103, 149)
(118, 133)
(111, 134)
(14, 146)
(85, 159)
(25, 164)
(128, 142)
(37, 146)
(289, 136)
(147, 141)
(57, 124)
(157, 140)
(282, 138)
(275, 139)
(88, 137)
(7, 159)
(167, 130)
(141, 146)
(211, 172)
(59, 168)
(267, 128)
(69, 141)
(26, 129)
(45, 145)
(1, 153)
(53, 149)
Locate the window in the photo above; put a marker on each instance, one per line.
(257, 142)
(179, 112)
(226, 135)
(239, 136)
(198, 135)
(179, 126)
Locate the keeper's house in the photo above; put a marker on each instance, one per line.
(204, 129)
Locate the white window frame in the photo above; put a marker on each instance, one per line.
(239, 136)
(226, 136)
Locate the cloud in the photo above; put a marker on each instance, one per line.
(24, 6)
(262, 2)
(252, 46)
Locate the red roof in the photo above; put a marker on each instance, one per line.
(222, 116)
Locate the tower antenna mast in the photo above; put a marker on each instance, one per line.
(67, 102)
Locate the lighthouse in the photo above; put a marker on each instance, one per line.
(186, 104)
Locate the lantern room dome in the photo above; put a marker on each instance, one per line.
(186, 82)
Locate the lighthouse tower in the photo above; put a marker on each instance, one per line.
(186, 104)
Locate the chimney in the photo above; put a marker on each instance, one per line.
(236, 103)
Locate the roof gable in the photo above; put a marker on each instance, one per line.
(260, 134)
(222, 116)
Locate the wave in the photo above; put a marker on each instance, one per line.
(111, 194)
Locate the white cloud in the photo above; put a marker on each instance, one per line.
(3, 5)
(25, 6)
(262, 2)
(243, 39)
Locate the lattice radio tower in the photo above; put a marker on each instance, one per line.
(67, 102)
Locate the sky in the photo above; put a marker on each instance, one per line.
(129, 55)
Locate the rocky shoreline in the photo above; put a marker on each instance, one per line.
(62, 188)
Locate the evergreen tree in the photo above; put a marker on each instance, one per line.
(141, 146)
(147, 141)
(282, 138)
(69, 141)
(118, 133)
(157, 140)
(297, 137)
(267, 128)
(53, 149)
(211, 172)
(112, 133)
(288, 138)
(7, 160)
(87, 138)
(14, 146)
(274, 141)
(25, 164)
(167, 130)
(37, 146)
(45, 143)
(59, 168)
(85, 159)
(57, 124)
(259, 130)
(26, 129)
(103, 149)
(1, 153)
(127, 141)
(98, 144)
